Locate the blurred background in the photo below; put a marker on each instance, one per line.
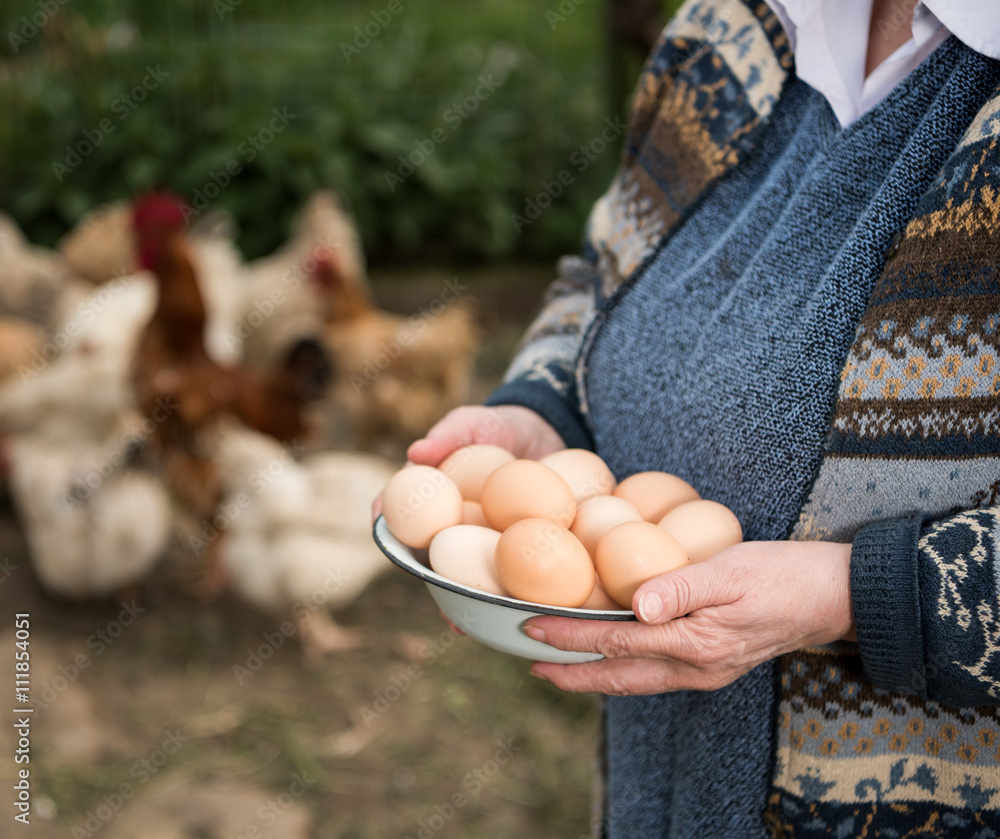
(375, 197)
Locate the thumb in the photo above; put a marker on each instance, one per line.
(678, 593)
(431, 450)
(459, 427)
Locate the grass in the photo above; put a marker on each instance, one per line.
(356, 111)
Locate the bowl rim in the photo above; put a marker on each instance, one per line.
(410, 564)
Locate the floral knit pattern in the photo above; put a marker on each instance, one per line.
(916, 430)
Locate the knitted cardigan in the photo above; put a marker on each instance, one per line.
(897, 735)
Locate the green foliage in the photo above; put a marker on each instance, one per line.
(217, 73)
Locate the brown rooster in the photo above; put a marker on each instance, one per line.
(183, 390)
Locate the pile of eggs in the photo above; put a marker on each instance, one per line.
(559, 531)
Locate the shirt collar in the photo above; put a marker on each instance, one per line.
(830, 41)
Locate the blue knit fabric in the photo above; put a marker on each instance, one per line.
(719, 364)
(718, 360)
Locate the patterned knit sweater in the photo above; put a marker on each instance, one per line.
(897, 735)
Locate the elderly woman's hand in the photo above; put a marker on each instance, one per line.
(705, 625)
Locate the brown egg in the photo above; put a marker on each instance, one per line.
(472, 513)
(470, 466)
(418, 503)
(542, 562)
(703, 528)
(464, 553)
(598, 515)
(654, 494)
(526, 489)
(632, 553)
(586, 474)
(599, 599)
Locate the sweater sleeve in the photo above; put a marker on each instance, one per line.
(542, 375)
(927, 608)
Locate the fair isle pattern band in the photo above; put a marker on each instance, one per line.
(916, 427)
(854, 761)
(717, 60)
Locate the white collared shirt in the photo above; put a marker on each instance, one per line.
(830, 42)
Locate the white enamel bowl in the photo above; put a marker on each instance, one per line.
(491, 619)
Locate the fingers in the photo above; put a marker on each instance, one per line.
(460, 427)
(430, 451)
(612, 639)
(519, 430)
(684, 591)
(376, 507)
(532, 436)
(638, 659)
(629, 677)
(453, 627)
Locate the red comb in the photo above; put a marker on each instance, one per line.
(158, 209)
(327, 271)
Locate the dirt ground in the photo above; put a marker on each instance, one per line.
(155, 716)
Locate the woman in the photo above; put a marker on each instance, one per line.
(789, 297)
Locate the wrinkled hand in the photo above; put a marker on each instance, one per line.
(703, 626)
(519, 430)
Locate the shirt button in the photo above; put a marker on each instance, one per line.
(894, 243)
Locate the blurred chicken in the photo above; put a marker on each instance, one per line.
(299, 540)
(94, 523)
(95, 520)
(172, 360)
(172, 365)
(21, 343)
(35, 283)
(281, 305)
(397, 375)
(103, 246)
(82, 391)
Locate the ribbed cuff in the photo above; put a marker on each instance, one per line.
(547, 403)
(885, 595)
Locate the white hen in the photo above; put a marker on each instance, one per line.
(83, 392)
(282, 303)
(298, 541)
(93, 524)
(35, 283)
